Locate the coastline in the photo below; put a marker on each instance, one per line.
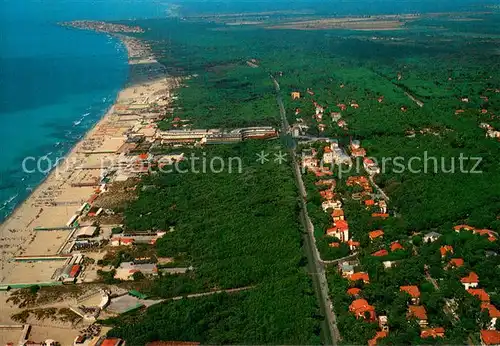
(57, 198)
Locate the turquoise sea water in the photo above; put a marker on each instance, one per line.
(55, 82)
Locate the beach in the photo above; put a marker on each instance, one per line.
(39, 226)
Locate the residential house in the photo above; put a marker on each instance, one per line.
(437, 332)
(328, 155)
(490, 337)
(354, 105)
(480, 293)
(327, 195)
(336, 116)
(379, 335)
(295, 95)
(371, 166)
(396, 246)
(361, 309)
(360, 152)
(326, 182)
(338, 214)
(360, 276)
(383, 206)
(321, 127)
(492, 236)
(121, 241)
(419, 313)
(353, 245)
(380, 215)
(380, 253)
(459, 228)
(334, 245)
(455, 263)
(342, 106)
(354, 292)
(346, 269)
(493, 312)
(389, 264)
(470, 281)
(414, 293)
(331, 204)
(369, 202)
(445, 250)
(383, 323)
(377, 234)
(339, 231)
(431, 237)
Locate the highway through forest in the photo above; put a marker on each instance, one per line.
(315, 266)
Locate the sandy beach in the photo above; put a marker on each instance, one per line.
(76, 179)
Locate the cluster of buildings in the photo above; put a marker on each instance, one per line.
(491, 132)
(214, 136)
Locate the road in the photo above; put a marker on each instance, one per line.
(315, 265)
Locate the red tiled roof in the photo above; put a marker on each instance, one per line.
(479, 293)
(360, 276)
(417, 311)
(492, 310)
(396, 246)
(342, 225)
(380, 253)
(461, 227)
(337, 213)
(471, 278)
(411, 290)
(384, 216)
(376, 234)
(111, 342)
(379, 335)
(445, 249)
(353, 291)
(457, 262)
(490, 337)
(432, 332)
(353, 243)
(369, 202)
(360, 306)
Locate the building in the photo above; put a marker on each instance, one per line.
(353, 292)
(480, 294)
(338, 214)
(493, 312)
(459, 228)
(445, 250)
(437, 332)
(340, 231)
(295, 95)
(431, 237)
(353, 245)
(456, 263)
(126, 270)
(371, 166)
(361, 309)
(490, 337)
(414, 293)
(418, 312)
(396, 246)
(86, 232)
(331, 204)
(360, 276)
(380, 253)
(383, 323)
(346, 269)
(377, 234)
(104, 341)
(470, 281)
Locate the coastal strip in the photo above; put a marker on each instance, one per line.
(77, 179)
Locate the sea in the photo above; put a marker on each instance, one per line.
(55, 83)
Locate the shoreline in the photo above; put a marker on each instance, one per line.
(57, 197)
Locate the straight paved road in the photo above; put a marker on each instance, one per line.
(316, 269)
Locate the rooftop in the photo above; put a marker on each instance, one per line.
(411, 290)
(417, 311)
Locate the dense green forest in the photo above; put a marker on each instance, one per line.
(236, 230)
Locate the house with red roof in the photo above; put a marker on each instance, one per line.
(437, 332)
(377, 234)
(340, 231)
(396, 246)
(380, 215)
(492, 236)
(338, 214)
(470, 281)
(481, 294)
(414, 293)
(360, 276)
(353, 291)
(353, 245)
(446, 249)
(493, 312)
(380, 253)
(342, 106)
(379, 335)
(459, 228)
(361, 309)
(369, 202)
(490, 337)
(456, 263)
(419, 313)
